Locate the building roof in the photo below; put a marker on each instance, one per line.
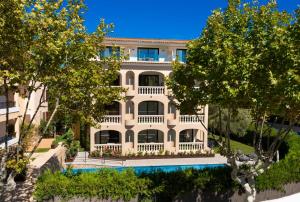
(145, 40)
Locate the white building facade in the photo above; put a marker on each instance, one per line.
(17, 105)
(147, 120)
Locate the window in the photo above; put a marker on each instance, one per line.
(110, 51)
(181, 55)
(148, 54)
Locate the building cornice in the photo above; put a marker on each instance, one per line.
(145, 41)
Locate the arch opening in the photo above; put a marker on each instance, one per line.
(151, 108)
(150, 136)
(107, 137)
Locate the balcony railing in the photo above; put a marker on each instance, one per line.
(104, 147)
(190, 146)
(151, 90)
(150, 147)
(10, 104)
(146, 119)
(111, 119)
(191, 118)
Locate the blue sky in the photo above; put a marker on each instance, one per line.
(167, 19)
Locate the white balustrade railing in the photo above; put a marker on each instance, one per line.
(104, 147)
(150, 147)
(145, 119)
(151, 90)
(191, 118)
(191, 146)
(111, 119)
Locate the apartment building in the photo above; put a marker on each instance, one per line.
(17, 105)
(147, 120)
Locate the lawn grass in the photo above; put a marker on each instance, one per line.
(235, 145)
(246, 149)
(41, 150)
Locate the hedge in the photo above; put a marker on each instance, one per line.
(105, 184)
(109, 183)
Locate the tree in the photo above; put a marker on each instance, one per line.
(247, 57)
(46, 47)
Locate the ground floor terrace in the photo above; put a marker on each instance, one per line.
(155, 141)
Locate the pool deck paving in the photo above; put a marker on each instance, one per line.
(82, 160)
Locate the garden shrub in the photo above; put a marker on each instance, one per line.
(210, 180)
(107, 183)
(285, 171)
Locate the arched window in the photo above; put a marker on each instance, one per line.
(171, 135)
(129, 136)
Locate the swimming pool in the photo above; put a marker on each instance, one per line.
(152, 169)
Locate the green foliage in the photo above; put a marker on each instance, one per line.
(41, 150)
(177, 183)
(19, 166)
(238, 125)
(247, 57)
(107, 183)
(50, 130)
(235, 145)
(166, 186)
(285, 171)
(68, 141)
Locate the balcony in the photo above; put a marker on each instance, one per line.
(151, 83)
(105, 147)
(191, 119)
(108, 140)
(150, 119)
(150, 147)
(151, 90)
(111, 119)
(191, 146)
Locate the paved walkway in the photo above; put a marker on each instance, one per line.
(83, 160)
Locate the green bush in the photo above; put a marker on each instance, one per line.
(107, 183)
(173, 184)
(285, 171)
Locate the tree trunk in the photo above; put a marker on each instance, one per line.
(46, 128)
(11, 184)
(3, 171)
(6, 114)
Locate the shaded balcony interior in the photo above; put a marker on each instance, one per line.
(108, 137)
(188, 135)
(117, 81)
(151, 79)
(11, 130)
(113, 109)
(150, 136)
(151, 108)
(151, 83)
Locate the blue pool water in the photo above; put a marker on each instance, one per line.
(152, 169)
